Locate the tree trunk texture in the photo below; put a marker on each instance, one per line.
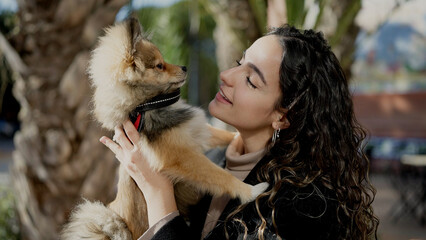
(276, 13)
(58, 158)
(235, 31)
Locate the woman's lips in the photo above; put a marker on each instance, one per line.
(220, 96)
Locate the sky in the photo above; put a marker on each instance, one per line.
(10, 5)
(159, 3)
(374, 12)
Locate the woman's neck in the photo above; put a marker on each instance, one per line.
(253, 142)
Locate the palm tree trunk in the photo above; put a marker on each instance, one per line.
(58, 157)
(236, 29)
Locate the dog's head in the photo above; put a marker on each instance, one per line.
(125, 57)
(126, 69)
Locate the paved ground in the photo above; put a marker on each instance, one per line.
(406, 228)
(386, 202)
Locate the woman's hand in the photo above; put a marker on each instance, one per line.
(157, 188)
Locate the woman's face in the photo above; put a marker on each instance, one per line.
(248, 92)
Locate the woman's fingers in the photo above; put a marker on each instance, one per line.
(114, 147)
(121, 138)
(131, 131)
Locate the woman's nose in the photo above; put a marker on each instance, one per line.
(227, 77)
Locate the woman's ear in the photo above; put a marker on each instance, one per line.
(281, 121)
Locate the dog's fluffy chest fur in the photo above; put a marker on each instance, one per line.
(177, 115)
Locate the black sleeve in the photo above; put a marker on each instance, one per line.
(299, 214)
(175, 229)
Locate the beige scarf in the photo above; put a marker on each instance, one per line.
(239, 166)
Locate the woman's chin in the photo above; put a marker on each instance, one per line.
(212, 108)
(215, 111)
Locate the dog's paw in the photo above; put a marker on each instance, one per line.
(258, 189)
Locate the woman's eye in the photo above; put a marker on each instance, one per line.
(250, 83)
(160, 66)
(247, 78)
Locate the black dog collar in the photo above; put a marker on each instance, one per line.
(159, 101)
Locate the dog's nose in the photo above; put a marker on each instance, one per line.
(183, 68)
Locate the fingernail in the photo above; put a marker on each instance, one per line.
(102, 140)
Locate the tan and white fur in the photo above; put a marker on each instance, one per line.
(126, 69)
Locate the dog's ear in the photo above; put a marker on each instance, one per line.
(135, 31)
(136, 37)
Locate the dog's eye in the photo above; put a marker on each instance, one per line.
(160, 66)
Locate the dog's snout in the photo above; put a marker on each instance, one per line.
(183, 68)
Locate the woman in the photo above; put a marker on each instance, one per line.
(289, 100)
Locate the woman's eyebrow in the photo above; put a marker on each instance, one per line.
(256, 69)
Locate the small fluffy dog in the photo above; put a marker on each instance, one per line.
(131, 78)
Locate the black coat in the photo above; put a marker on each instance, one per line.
(300, 213)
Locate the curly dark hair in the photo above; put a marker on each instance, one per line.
(324, 142)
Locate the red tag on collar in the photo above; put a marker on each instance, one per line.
(138, 121)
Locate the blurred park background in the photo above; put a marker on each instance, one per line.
(49, 151)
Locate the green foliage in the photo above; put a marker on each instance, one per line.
(296, 12)
(321, 5)
(9, 228)
(344, 23)
(8, 22)
(6, 80)
(8, 25)
(167, 28)
(259, 10)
